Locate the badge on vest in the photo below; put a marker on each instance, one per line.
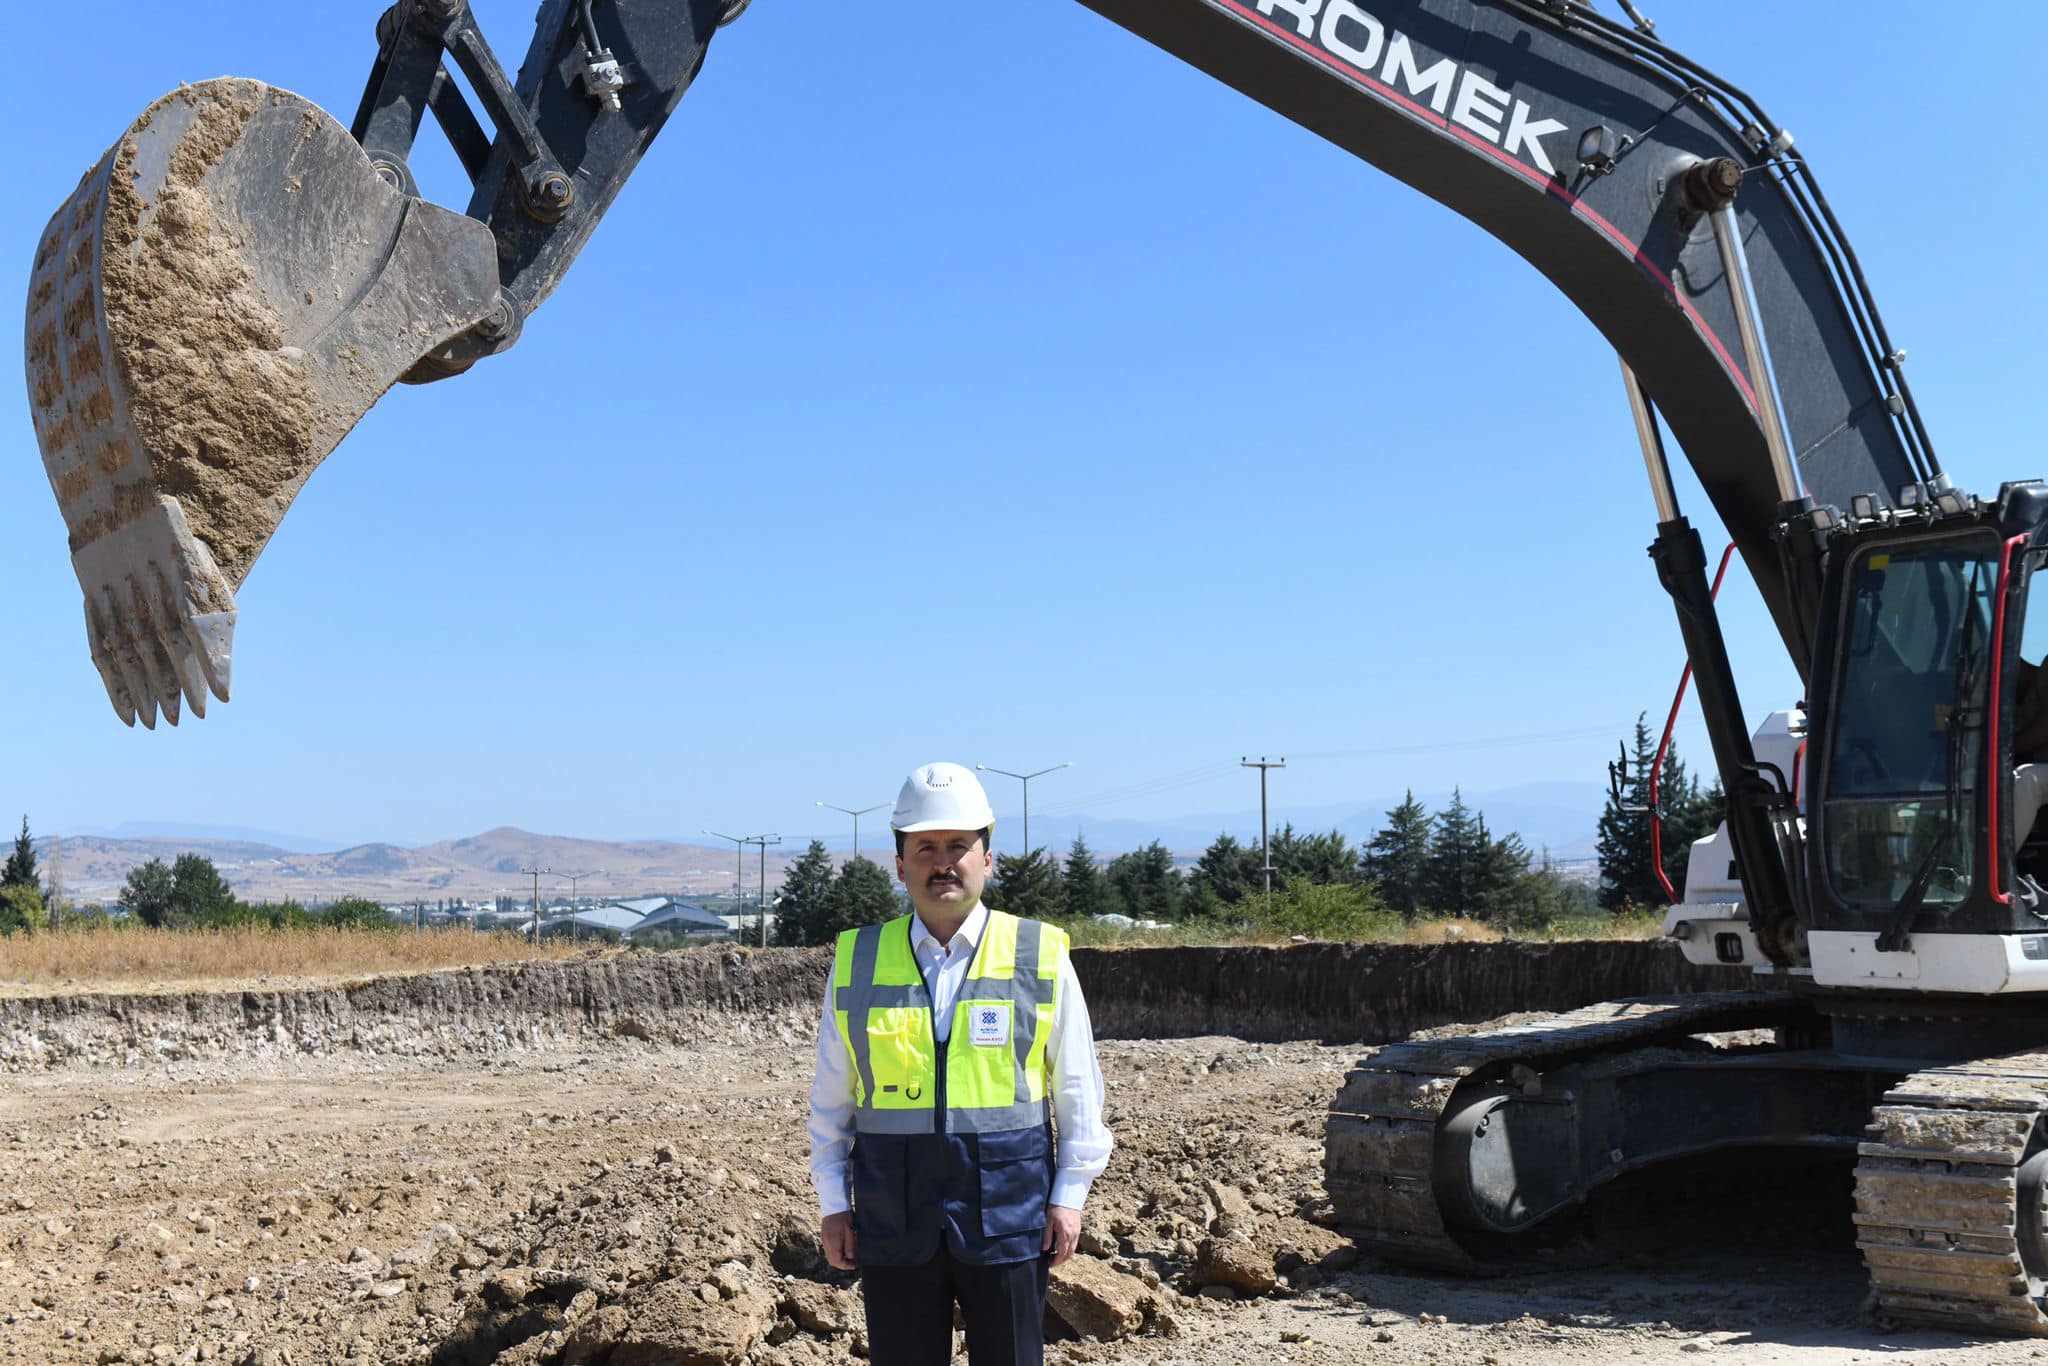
(988, 1026)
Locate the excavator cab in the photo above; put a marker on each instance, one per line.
(1903, 755)
(1912, 849)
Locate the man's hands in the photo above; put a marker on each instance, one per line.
(842, 1245)
(1062, 1232)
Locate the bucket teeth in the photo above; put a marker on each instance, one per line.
(168, 617)
(118, 691)
(116, 640)
(147, 631)
(211, 635)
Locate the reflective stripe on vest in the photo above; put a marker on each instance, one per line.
(884, 1013)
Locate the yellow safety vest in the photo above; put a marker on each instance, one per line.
(996, 1076)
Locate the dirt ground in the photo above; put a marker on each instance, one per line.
(636, 1203)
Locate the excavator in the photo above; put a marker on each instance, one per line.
(241, 276)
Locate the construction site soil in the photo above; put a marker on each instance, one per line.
(605, 1162)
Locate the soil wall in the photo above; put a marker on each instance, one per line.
(1369, 993)
(1330, 992)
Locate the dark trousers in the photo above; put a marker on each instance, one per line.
(910, 1311)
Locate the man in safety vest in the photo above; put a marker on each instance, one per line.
(952, 1041)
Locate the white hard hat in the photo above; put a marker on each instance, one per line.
(942, 797)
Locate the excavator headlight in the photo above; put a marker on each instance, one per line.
(1597, 149)
(1911, 495)
(1862, 507)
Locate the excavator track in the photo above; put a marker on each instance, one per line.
(1381, 1136)
(1949, 1209)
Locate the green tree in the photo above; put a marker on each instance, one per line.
(1027, 885)
(861, 894)
(1349, 910)
(21, 908)
(1146, 884)
(802, 898)
(1318, 860)
(198, 892)
(1622, 840)
(1543, 896)
(357, 912)
(20, 868)
(1082, 892)
(1396, 858)
(1690, 813)
(1225, 874)
(286, 915)
(147, 894)
(1497, 873)
(1451, 869)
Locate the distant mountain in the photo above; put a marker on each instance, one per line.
(94, 867)
(179, 830)
(1559, 817)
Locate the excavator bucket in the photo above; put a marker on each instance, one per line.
(219, 301)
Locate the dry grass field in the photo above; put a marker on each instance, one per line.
(125, 958)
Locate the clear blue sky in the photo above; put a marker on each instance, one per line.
(976, 381)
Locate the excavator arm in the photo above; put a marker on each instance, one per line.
(175, 438)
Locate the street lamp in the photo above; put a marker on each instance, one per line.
(856, 819)
(1024, 778)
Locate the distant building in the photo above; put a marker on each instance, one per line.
(616, 919)
(678, 918)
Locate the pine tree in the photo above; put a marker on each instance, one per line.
(1623, 840)
(1225, 875)
(1147, 884)
(1081, 886)
(804, 886)
(1026, 885)
(1451, 870)
(1497, 875)
(20, 868)
(1312, 860)
(1397, 857)
(861, 894)
(1690, 813)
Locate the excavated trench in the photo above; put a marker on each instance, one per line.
(1328, 993)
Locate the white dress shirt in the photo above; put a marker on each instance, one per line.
(1084, 1140)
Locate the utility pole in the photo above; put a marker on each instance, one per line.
(856, 819)
(739, 871)
(1263, 764)
(1025, 778)
(574, 878)
(536, 899)
(764, 841)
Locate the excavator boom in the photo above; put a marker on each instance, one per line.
(175, 438)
